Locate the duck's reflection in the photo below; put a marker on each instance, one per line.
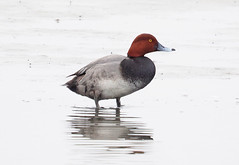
(106, 124)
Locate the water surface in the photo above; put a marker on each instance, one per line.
(107, 135)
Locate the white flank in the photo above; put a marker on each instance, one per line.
(115, 88)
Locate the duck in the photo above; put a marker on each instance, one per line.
(115, 76)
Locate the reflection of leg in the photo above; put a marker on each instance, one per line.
(117, 114)
(118, 102)
(96, 112)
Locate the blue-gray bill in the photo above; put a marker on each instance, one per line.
(162, 48)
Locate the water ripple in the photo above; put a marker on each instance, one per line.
(108, 131)
(106, 124)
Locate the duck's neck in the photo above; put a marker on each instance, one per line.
(134, 54)
(135, 51)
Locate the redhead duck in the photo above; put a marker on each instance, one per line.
(115, 76)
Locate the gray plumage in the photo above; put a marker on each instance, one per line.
(109, 77)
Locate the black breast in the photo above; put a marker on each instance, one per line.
(139, 70)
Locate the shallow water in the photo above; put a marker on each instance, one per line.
(187, 115)
(106, 124)
(107, 136)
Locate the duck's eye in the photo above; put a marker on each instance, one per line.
(150, 40)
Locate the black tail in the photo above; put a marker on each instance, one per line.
(72, 84)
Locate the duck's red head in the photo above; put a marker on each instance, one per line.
(145, 43)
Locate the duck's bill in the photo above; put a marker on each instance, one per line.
(162, 48)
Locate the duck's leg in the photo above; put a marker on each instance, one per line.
(96, 98)
(118, 102)
(97, 104)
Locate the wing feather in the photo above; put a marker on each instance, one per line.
(103, 60)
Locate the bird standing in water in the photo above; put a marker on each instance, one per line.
(115, 76)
